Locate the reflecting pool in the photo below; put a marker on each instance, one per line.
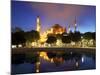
(40, 62)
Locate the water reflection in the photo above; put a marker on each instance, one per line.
(37, 66)
(82, 59)
(51, 62)
(77, 64)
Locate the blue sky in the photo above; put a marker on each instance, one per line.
(23, 15)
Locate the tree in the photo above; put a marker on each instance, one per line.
(58, 36)
(51, 54)
(32, 36)
(66, 39)
(71, 35)
(14, 41)
(16, 29)
(94, 36)
(88, 35)
(51, 39)
(76, 36)
(18, 38)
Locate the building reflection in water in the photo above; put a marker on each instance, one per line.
(38, 63)
(54, 59)
(44, 56)
(59, 58)
(82, 59)
(37, 67)
(77, 64)
(51, 61)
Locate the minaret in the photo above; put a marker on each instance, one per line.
(75, 25)
(68, 29)
(38, 24)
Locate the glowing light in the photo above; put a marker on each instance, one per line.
(34, 44)
(75, 25)
(44, 55)
(43, 37)
(82, 59)
(50, 31)
(52, 60)
(71, 52)
(37, 66)
(77, 64)
(19, 45)
(72, 43)
(58, 43)
(91, 42)
(49, 45)
(65, 35)
(81, 37)
(38, 20)
(38, 24)
(13, 46)
(37, 70)
(38, 63)
(60, 32)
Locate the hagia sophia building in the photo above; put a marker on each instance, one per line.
(55, 29)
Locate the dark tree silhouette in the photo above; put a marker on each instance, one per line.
(76, 36)
(18, 38)
(32, 36)
(89, 35)
(51, 39)
(66, 39)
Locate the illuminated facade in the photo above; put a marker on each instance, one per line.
(55, 29)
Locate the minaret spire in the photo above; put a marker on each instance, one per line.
(38, 24)
(68, 29)
(75, 25)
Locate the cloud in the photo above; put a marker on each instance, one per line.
(58, 11)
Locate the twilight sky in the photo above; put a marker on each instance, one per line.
(23, 15)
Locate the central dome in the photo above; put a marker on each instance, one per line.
(57, 26)
(57, 29)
